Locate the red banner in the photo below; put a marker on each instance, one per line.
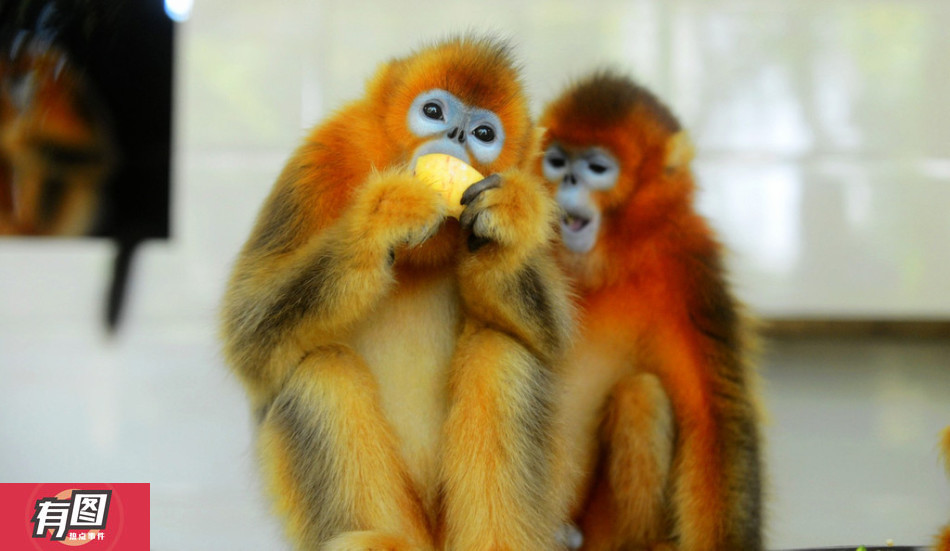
(96, 517)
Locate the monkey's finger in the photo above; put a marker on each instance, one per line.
(467, 218)
(477, 188)
(477, 223)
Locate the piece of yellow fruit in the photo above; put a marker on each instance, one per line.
(449, 176)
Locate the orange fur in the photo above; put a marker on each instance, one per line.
(400, 361)
(942, 539)
(659, 400)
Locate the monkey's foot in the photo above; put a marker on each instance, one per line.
(369, 541)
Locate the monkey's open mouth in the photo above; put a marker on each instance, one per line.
(574, 222)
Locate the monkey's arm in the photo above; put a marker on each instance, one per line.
(508, 280)
(301, 281)
(500, 451)
(703, 355)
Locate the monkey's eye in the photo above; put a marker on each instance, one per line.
(433, 111)
(484, 133)
(597, 169)
(556, 162)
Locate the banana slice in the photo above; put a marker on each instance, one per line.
(449, 176)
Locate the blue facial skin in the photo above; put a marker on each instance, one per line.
(454, 128)
(577, 175)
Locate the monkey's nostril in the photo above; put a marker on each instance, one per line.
(453, 132)
(570, 179)
(462, 137)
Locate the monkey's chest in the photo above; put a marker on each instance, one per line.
(591, 370)
(408, 344)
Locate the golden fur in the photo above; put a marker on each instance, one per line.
(942, 539)
(659, 402)
(400, 362)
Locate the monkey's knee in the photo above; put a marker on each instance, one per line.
(310, 450)
(316, 389)
(327, 375)
(330, 396)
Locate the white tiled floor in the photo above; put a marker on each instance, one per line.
(850, 441)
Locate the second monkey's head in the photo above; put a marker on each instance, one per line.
(618, 160)
(462, 97)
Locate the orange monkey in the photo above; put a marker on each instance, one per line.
(659, 398)
(399, 361)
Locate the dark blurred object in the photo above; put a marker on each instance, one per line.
(56, 144)
(85, 123)
(56, 147)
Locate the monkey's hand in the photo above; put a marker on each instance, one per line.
(511, 210)
(395, 208)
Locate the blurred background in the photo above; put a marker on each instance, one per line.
(823, 157)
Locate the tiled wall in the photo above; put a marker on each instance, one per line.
(821, 130)
(821, 127)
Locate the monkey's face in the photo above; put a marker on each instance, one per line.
(580, 176)
(446, 124)
(462, 98)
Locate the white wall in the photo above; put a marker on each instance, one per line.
(821, 127)
(823, 154)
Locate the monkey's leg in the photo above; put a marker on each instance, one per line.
(498, 450)
(332, 464)
(501, 452)
(628, 508)
(509, 280)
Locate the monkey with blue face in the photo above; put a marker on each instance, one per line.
(401, 361)
(660, 396)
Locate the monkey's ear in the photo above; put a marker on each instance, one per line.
(537, 140)
(679, 151)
